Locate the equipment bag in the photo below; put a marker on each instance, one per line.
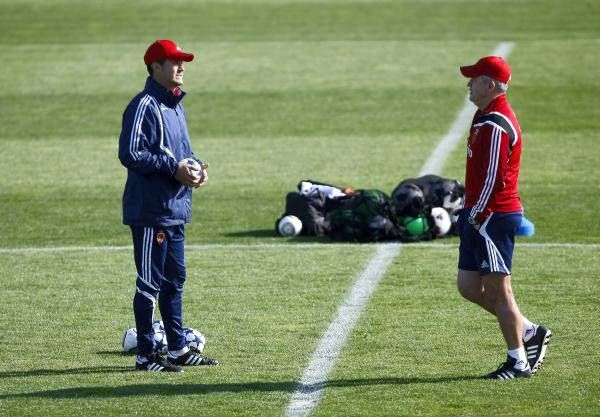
(310, 211)
(413, 195)
(365, 216)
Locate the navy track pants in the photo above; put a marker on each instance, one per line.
(160, 264)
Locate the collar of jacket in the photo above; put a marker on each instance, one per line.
(163, 94)
(494, 103)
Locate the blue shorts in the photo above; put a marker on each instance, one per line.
(490, 248)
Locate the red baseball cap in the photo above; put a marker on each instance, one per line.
(493, 66)
(165, 49)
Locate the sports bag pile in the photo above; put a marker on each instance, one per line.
(419, 209)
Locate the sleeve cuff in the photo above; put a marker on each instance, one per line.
(481, 217)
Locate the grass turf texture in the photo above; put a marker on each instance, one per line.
(352, 93)
(259, 322)
(417, 350)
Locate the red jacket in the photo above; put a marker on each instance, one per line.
(493, 161)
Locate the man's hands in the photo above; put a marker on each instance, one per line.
(479, 219)
(474, 223)
(191, 174)
(202, 174)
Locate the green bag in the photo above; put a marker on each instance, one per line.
(364, 216)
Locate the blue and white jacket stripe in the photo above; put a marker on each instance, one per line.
(154, 137)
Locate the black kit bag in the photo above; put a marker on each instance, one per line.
(413, 195)
(310, 211)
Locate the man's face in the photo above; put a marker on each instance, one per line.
(169, 74)
(480, 90)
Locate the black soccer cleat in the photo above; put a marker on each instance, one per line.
(192, 358)
(508, 371)
(156, 363)
(537, 346)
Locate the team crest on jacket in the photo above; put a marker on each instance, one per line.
(160, 237)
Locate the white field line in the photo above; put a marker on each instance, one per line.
(275, 246)
(314, 379)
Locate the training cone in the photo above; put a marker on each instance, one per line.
(527, 228)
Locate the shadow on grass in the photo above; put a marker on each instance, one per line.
(68, 371)
(195, 389)
(270, 233)
(115, 353)
(253, 233)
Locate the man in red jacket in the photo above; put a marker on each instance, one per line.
(492, 215)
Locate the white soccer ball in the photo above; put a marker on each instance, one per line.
(193, 338)
(160, 342)
(442, 221)
(158, 326)
(289, 226)
(159, 338)
(194, 165)
(129, 342)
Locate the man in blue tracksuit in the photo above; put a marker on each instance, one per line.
(155, 148)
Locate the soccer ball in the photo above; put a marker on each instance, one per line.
(289, 226)
(193, 338)
(129, 342)
(158, 326)
(416, 226)
(159, 336)
(160, 342)
(442, 221)
(159, 339)
(194, 165)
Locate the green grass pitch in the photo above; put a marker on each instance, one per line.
(355, 93)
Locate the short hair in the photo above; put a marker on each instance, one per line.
(149, 66)
(500, 86)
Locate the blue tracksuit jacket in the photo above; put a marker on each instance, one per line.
(154, 138)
